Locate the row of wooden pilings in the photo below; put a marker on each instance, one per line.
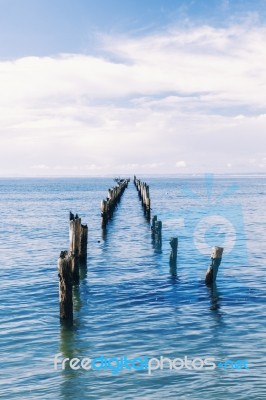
(144, 195)
(69, 264)
(71, 261)
(114, 194)
(156, 233)
(216, 255)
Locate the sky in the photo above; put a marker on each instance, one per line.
(93, 88)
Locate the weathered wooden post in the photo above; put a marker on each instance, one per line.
(104, 214)
(158, 233)
(173, 255)
(216, 258)
(148, 208)
(74, 244)
(65, 286)
(69, 263)
(142, 188)
(147, 203)
(154, 219)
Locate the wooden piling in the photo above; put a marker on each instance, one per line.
(173, 255)
(158, 233)
(74, 245)
(104, 213)
(69, 263)
(65, 286)
(216, 258)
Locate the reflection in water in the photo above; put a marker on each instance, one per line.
(68, 350)
(83, 270)
(130, 304)
(76, 299)
(173, 268)
(67, 341)
(215, 308)
(104, 234)
(214, 297)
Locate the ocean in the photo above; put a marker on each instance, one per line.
(128, 304)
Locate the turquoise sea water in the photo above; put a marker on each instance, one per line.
(127, 303)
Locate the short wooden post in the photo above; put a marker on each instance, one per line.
(154, 219)
(216, 258)
(173, 255)
(65, 286)
(158, 232)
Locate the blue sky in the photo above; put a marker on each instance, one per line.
(46, 27)
(132, 87)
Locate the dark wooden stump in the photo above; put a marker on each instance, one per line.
(65, 286)
(173, 255)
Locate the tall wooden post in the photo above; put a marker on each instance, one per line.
(147, 202)
(65, 286)
(216, 258)
(74, 244)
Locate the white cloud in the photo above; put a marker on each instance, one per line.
(196, 94)
(180, 164)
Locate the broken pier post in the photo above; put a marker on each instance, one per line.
(69, 263)
(74, 243)
(173, 255)
(216, 258)
(65, 286)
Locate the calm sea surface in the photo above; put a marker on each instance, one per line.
(127, 303)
